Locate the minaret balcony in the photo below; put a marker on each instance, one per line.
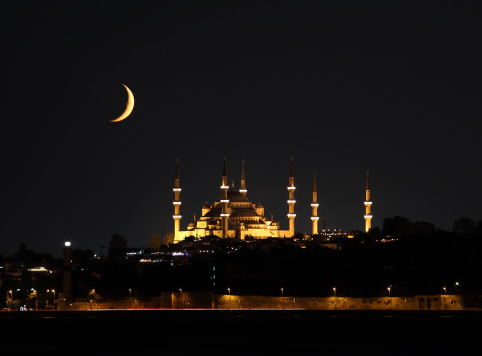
(314, 218)
(177, 216)
(225, 187)
(176, 202)
(291, 188)
(291, 201)
(176, 189)
(291, 215)
(315, 204)
(368, 216)
(368, 203)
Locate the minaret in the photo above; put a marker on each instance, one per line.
(314, 209)
(243, 190)
(368, 207)
(177, 204)
(224, 201)
(291, 202)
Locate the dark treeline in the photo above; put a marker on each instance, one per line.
(409, 257)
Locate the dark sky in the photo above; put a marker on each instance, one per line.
(342, 87)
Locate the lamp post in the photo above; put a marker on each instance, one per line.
(282, 292)
(389, 296)
(229, 291)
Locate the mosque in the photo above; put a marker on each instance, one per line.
(233, 215)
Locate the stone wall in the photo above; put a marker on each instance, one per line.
(209, 300)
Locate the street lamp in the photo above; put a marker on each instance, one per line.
(390, 298)
(281, 292)
(229, 291)
(334, 291)
(445, 290)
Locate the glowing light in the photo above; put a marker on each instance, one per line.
(315, 204)
(291, 201)
(242, 190)
(291, 188)
(224, 187)
(67, 243)
(368, 203)
(368, 216)
(291, 215)
(224, 200)
(129, 106)
(225, 215)
(314, 218)
(176, 189)
(176, 216)
(176, 202)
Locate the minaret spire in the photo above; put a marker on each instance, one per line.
(224, 201)
(177, 204)
(368, 206)
(291, 201)
(314, 209)
(242, 189)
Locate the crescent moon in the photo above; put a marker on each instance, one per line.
(129, 106)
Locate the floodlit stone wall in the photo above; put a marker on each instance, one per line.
(209, 300)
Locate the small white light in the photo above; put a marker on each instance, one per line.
(315, 204)
(176, 202)
(291, 215)
(291, 201)
(368, 216)
(224, 187)
(176, 216)
(290, 188)
(242, 190)
(368, 203)
(176, 189)
(314, 218)
(67, 243)
(225, 215)
(224, 200)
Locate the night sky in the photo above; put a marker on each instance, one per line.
(341, 87)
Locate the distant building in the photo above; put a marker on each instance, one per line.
(233, 215)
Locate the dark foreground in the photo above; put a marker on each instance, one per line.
(240, 332)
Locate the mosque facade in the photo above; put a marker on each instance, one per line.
(233, 215)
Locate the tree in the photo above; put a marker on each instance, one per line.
(463, 226)
(155, 242)
(397, 226)
(169, 238)
(117, 246)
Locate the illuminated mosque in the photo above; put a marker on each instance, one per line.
(233, 215)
